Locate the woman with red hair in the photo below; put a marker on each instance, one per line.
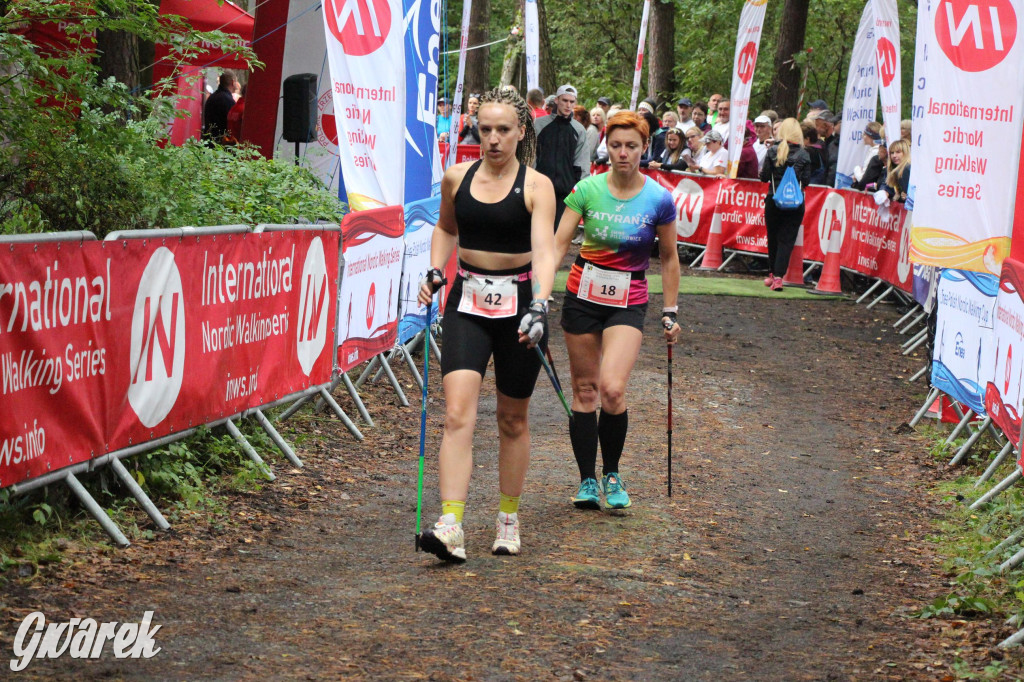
(606, 297)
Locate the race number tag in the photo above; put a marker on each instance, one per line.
(492, 297)
(606, 287)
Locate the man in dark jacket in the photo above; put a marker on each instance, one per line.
(215, 114)
(562, 152)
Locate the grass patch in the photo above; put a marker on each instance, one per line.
(716, 286)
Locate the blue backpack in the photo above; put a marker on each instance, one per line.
(788, 196)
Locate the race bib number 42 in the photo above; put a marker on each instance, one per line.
(605, 287)
(493, 297)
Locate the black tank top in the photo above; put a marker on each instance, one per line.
(501, 227)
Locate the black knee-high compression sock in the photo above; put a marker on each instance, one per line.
(611, 429)
(583, 435)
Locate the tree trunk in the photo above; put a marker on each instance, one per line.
(785, 89)
(118, 56)
(509, 66)
(547, 67)
(478, 62)
(661, 50)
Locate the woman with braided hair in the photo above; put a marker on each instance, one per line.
(499, 212)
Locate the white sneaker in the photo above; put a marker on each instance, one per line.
(507, 541)
(445, 539)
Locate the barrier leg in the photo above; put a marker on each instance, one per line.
(1012, 640)
(910, 313)
(877, 300)
(920, 373)
(294, 407)
(998, 437)
(1011, 563)
(360, 406)
(333, 404)
(1008, 542)
(966, 447)
(139, 494)
(394, 382)
(280, 442)
(407, 356)
(727, 260)
(1000, 487)
(699, 258)
(810, 269)
(96, 511)
(932, 395)
(372, 365)
(870, 291)
(1007, 449)
(914, 338)
(249, 449)
(434, 345)
(380, 370)
(921, 338)
(913, 323)
(964, 421)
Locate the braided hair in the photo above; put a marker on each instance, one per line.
(526, 150)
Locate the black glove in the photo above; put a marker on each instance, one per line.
(535, 322)
(669, 320)
(434, 279)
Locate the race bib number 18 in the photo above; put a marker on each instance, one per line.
(605, 287)
(493, 297)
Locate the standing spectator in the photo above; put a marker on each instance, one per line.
(700, 117)
(684, 108)
(562, 147)
(444, 119)
(215, 114)
(812, 145)
(583, 116)
(816, 107)
(713, 103)
(906, 129)
(897, 180)
(874, 174)
(721, 125)
(782, 225)
(748, 166)
(825, 124)
(235, 118)
(605, 105)
(763, 130)
(871, 137)
(468, 131)
(535, 98)
(597, 124)
(657, 145)
(772, 116)
(695, 143)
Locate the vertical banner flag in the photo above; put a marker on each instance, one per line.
(970, 128)
(422, 50)
(748, 39)
(640, 56)
(453, 138)
(859, 101)
(1003, 392)
(965, 341)
(532, 45)
(887, 52)
(366, 53)
(372, 245)
(420, 219)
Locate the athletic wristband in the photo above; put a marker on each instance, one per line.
(670, 309)
(539, 303)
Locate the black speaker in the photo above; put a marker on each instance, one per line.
(300, 108)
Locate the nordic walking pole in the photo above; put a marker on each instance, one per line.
(554, 381)
(670, 420)
(423, 424)
(551, 361)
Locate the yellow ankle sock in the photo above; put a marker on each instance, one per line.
(456, 507)
(509, 504)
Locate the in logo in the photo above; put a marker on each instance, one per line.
(886, 55)
(975, 34)
(688, 197)
(311, 331)
(832, 219)
(371, 304)
(746, 61)
(361, 26)
(158, 340)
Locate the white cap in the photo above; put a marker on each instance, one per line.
(565, 90)
(763, 119)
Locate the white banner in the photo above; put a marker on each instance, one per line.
(964, 358)
(420, 219)
(970, 129)
(453, 134)
(748, 39)
(860, 99)
(532, 45)
(640, 57)
(887, 33)
(366, 53)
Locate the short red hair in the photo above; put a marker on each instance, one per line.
(628, 120)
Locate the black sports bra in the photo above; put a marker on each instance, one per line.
(501, 227)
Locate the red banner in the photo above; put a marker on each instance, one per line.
(465, 152)
(104, 345)
(1003, 396)
(367, 316)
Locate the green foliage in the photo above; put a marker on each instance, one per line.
(80, 153)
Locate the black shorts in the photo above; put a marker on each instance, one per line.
(469, 341)
(584, 317)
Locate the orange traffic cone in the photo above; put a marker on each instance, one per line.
(829, 282)
(713, 253)
(795, 273)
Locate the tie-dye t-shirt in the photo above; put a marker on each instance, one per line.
(617, 234)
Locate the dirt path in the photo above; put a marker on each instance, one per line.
(790, 549)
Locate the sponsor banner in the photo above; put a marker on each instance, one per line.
(532, 26)
(464, 152)
(740, 204)
(420, 219)
(965, 342)
(860, 100)
(467, 9)
(422, 51)
(372, 243)
(887, 60)
(104, 345)
(366, 53)
(1003, 391)
(635, 93)
(879, 243)
(966, 113)
(748, 40)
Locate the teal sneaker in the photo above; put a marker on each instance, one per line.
(615, 495)
(587, 495)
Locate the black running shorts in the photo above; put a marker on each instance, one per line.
(469, 341)
(584, 317)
